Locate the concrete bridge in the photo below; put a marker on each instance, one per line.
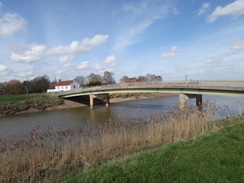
(185, 89)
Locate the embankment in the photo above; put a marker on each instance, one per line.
(43, 156)
(13, 104)
(17, 104)
(217, 157)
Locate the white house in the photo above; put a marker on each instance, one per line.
(64, 86)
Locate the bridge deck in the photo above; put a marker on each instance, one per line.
(203, 87)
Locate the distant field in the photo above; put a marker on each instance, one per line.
(213, 158)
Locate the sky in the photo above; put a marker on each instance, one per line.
(171, 38)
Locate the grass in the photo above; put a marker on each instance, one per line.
(44, 155)
(218, 157)
(15, 100)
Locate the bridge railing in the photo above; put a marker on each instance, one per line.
(222, 84)
(216, 84)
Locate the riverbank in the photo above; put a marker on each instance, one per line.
(217, 157)
(19, 104)
(15, 104)
(44, 155)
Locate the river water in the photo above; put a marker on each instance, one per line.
(81, 117)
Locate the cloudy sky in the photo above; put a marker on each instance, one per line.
(172, 38)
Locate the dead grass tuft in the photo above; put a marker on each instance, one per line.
(33, 158)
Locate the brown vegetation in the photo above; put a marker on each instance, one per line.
(33, 158)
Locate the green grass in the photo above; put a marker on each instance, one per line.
(218, 157)
(14, 100)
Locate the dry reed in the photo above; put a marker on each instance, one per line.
(33, 158)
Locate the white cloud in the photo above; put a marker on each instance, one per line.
(110, 59)
(2, 68)
(237, 46)
(234, 9)
(25, 72)
(203, 9)
(128, 38)
(173, 52)
(65, 59)
(213, 61)
(35, 52)
(84, 65)
(175, 11)
(83, 46)
(227, 67)
(11, 23)
(143, 15)
(31, 53)
(129, 7)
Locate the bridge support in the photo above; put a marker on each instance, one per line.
(102, 97)
(107, 101)
(91, 101)
(183, 97)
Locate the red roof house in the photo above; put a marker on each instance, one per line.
(64, 86)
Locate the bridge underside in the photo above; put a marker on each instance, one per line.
(184, 93)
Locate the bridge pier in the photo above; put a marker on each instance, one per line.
(91, 101)
(183, 97)
(107, 101)
(103, 97)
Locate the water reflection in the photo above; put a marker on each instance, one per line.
(145, 106)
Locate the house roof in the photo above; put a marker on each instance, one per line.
(52, 86)
(64, 83)
(129, 81)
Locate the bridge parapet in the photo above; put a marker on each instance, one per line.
(177, 84)
(221, 85)
(186, 90)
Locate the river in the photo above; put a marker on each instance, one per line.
(81, 117)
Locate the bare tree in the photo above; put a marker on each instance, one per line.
(15, 87)
(153, 78)
(40, 84)
(141, 79)
(108, 77)
(82, 80)
(3, 88)
(146, 78)
(124, 78)
(94, 77)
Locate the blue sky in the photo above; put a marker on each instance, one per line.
(172, 38)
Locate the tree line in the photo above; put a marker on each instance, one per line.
(42, 83)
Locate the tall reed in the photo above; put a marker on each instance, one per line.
(33, 158)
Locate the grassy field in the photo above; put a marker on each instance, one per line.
(15, 100)
(218, 157)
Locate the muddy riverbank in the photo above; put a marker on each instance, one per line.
(30, 106)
